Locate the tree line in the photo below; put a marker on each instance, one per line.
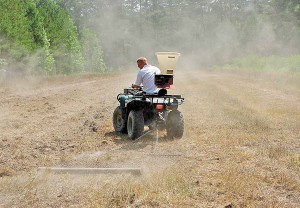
(94, 35)
(43, 38)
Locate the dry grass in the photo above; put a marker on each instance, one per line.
(240, 146)
(167, 189)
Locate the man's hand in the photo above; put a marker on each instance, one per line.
(135, 86)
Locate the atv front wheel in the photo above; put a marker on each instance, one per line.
(175, 124)
(120, 124)
(135, 124)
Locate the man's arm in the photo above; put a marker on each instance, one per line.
(138, 81)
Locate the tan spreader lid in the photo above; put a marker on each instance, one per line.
(167, 61)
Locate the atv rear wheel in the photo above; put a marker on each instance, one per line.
(135, 124)
(175, 124)
(120, 124)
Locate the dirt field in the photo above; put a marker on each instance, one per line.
(241, 146)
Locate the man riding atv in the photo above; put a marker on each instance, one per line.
(151, 105)
(146, 76)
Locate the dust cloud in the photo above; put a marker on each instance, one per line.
(127, 30)
(127, 33)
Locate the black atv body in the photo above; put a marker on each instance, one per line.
(138, 109)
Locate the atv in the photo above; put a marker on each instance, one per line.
(159, 111)
(138, 109)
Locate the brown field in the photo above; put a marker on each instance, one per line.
(241, 146)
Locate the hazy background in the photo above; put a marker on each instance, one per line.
(103, 35)
(205, 32)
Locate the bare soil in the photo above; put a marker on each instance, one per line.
(241, 146)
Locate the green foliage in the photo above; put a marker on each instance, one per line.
(14, 22)
(270, 63)
(251, 62)
(92, 52)
(62, 35)
(285, 64)
(42, 29)
(47, 59)
(3, 63)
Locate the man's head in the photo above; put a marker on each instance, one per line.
(141, 62)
